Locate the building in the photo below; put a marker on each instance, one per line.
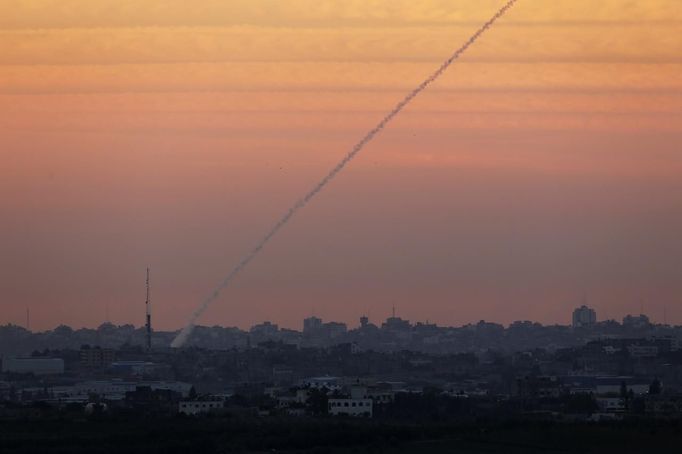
(614, 385)
(643, 351)
(396, 324)
(36, 366)
(132, 368)
(293, 403)
(666, 343)
(333, 330)
(584, 317)
(539, 387)
(115, 389)
(330, 383)
(380, 396)
(669, 405)
(96, 357)
(358, 403)
(5, 391)
(611, 404)
(317, 333)
(606, 386)
(311, 324)
(265, 330)
(636, 321)
(350, 407)
(197, 407)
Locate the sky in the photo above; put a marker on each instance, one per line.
(544, 169)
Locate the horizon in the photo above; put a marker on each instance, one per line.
(350, 325)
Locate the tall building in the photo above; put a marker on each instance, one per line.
(311, 324)
(584, 317)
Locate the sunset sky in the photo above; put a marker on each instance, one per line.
(543, 168)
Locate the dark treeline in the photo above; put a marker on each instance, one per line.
(130, 434)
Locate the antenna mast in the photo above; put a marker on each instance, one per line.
(148, 305)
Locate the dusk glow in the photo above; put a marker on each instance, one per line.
(543, 168)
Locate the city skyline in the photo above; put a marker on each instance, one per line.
(358, 321)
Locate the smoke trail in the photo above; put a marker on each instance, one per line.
(180, 340)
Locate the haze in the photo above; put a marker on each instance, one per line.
(544, 167)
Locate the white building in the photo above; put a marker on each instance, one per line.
(358, 404)
(197, 407)
(36, 366)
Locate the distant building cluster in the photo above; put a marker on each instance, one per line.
(600, 369)
(393, 334)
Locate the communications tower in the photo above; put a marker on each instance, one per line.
(148, 325)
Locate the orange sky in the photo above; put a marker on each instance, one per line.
(545, 165)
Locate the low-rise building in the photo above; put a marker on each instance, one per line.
(604, 386)
(539, 387)
(350, 407)
(35, 366)
(611, 404)
(197, 407)
(5, 391)
(114, 389)
(330, 383)
(636, 321)
(357, 403)
(643, 351)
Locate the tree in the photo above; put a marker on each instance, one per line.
(623, 390)
(317, 402)
(580, 404)
(655, 387)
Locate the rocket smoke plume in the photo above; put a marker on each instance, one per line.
(180, 340)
